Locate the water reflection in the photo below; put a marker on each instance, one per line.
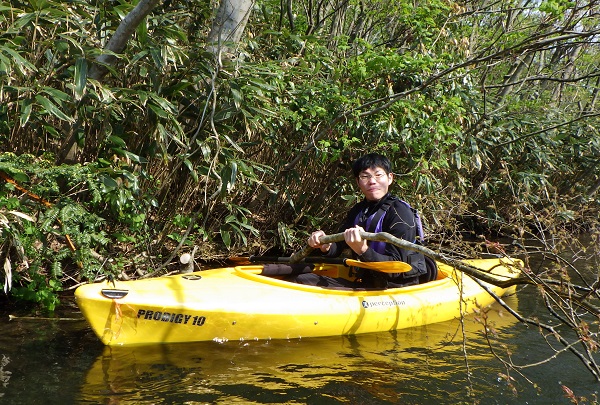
(55, 362)
(399, 367)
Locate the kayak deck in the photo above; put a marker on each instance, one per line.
(238, 303)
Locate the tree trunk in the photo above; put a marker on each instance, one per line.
(69, 149)
(228, 26)
(568, 71)
(119, 39)
(591, 105)
(337, 24)
(513, 76)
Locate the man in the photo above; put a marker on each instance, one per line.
(378, 212)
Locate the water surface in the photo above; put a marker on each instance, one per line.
(62, 362)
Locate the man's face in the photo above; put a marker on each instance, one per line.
(374, 183)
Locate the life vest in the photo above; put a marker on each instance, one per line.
(374, 223)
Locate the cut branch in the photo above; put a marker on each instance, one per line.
(500, 281)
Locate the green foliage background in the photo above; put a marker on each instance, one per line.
(489, 116)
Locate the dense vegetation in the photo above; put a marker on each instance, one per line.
(112, 167)
(487, 111)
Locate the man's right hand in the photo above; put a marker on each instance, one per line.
(315, 241)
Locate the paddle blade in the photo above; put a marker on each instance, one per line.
(383, 267)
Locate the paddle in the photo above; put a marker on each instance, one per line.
(482, 275)
(383, 267)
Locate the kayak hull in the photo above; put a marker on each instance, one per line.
(237, 303)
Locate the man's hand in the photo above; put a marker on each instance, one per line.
(315, 241)
(354, 240)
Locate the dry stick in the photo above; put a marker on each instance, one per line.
(457, 264)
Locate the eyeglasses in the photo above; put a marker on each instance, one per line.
(366, 177)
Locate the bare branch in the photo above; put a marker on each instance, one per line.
(500, 281)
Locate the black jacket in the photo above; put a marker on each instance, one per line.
(398, 221)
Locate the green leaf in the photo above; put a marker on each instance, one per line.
(236, 94)
(191, 168)
(116, 140)
(26, 108)
(142, 32)
(109, 183)
(134, 157)
(52, 109)
(158, 111)
(121, 237)
(56, 93)
(457, 160)
(80, 78)
(22, 64)
(205, 151)
(249, 227)
(165, 104)
(233, 174)
(232, 143)
(226, 236)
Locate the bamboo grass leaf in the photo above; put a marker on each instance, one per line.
(103, 93)
(22, 215)
(80, 77)
(5, 65)
(158, 58)
(249, 227)
(165, 135)
(226, 236)
(233, 176)
(142, 32)
(237, 96)
(206, 151)
(232, 143)
(158, 111)
(239, 232)
(52, 109)
(117, 141)
(163, 103)
(24, 19)
(262, 85)
(21, 63)
(56, 94)
(138, 56)
(73, 41)
(26, 108)
(191, 168)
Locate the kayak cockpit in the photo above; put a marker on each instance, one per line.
(276, 274)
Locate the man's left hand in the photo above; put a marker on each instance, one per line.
(355, 241)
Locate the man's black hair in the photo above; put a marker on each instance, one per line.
(371, 161)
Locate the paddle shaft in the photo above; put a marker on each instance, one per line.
(383, 267)
(284, 259)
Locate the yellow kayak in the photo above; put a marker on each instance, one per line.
(240, 303)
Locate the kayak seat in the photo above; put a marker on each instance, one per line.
(284, 269)
(432, 271)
